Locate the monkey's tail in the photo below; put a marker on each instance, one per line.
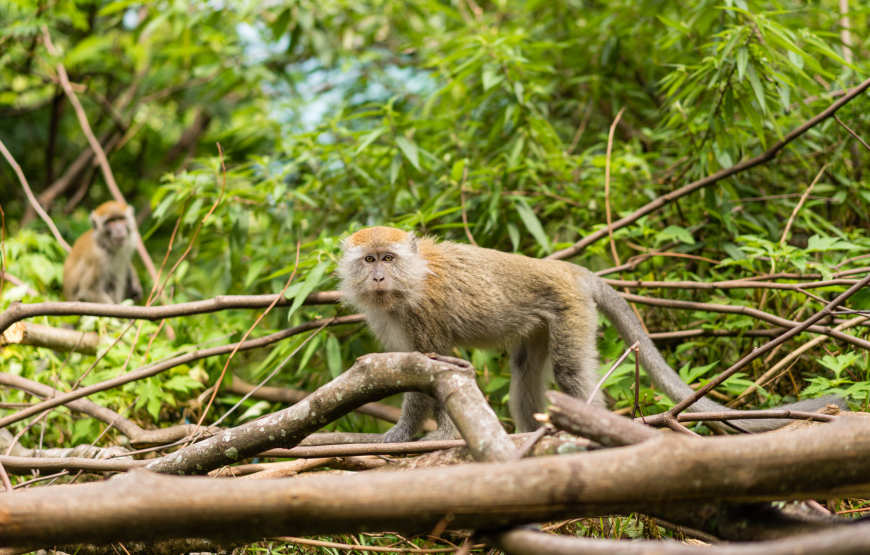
(617, 310)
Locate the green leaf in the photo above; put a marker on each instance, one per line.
(312, 280)
(742, 62)
(733, 251)
(114, 7)
(532, 223)
(674, 232)
(333, 356)
(756, 86)
(456, 171)
(819, 243)
(490, 77)
(409, 149)
(369, 139)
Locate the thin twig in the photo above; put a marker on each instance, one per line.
(348, 547)
(800, 204)
(529, 443)
(462, 201)
(95, 146)
(636, 381)
(220, 379)
(576, 140)
(616, 364)
(607, 184)
(758, 351)
(32, 199)
(762, 158)
(4, 477)
(849, 129)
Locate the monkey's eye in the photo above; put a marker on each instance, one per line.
(388, 258)
(370, 258)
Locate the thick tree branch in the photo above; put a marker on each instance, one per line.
(822, 461)
(57, 339)
(451, 381)
(847, 540)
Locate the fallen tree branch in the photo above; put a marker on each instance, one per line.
(23, 465)
(663, 200)
(847, 540)
(158, 367)
(285, 395)
(801, 465)
(56, 339)
(18, 311)
(452, 381)
(409, 448)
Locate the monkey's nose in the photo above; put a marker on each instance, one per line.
(378, 279)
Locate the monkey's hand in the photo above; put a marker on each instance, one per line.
(398, 434)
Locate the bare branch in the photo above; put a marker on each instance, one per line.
(18, 311)
(450, 380)
(828, 460)
(45, 217)
(762, 158)
(754, 313)
(847, 540)
(58, 339)
(158, 367)
(95, 146)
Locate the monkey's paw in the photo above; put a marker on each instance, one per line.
(442, 434)
(398, 434)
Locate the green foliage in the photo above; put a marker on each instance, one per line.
(337, 115)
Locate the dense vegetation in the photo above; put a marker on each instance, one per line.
(334, 115)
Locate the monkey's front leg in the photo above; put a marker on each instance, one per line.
(416, 408)
(133, 285)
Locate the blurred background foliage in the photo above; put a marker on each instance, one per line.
(339, 114)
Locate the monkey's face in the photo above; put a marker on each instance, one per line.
(112, 231)
(384, 275)
(374, 273)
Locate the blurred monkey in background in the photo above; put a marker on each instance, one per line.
(98, 269)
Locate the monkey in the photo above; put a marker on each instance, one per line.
(98, 268)
(422, 295)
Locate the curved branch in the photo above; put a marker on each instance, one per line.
(451, 381)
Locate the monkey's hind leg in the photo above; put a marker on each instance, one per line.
(528, 360)
(416, 407)
(575, 358)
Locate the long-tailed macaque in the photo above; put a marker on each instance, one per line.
(98, 268)
(419, 295)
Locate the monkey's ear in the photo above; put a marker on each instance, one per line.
(129, 211)
(412, 241)
(96, 221)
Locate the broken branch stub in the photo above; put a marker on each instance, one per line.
(599, 425)
(373, 377)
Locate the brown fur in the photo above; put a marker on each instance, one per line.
(430, 297)
(98, 267)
